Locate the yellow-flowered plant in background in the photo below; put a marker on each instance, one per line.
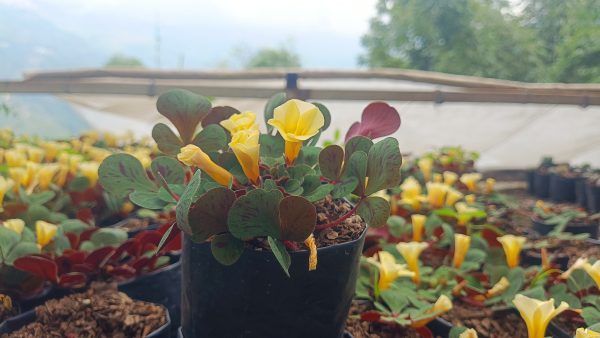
(426, 166)
(14, 224)
(450, 178)
(442, 305)
(586, 333)
(411, 193)
(296, 121)
(46, 174)
(436, 194)
(470, 180)
(461, 247)
(512, 246)
(410, 252)
(469, 333)
(388, 269)
(44, 232)
(418, 225)
(89, 170)
(5, 185)
(594, 271)
(453, 196)
(437, 178)
(490, 183)
(537, 314)
(470, 199)
(192, 155)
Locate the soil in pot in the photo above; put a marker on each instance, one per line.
(568, 322)
(576, 226)
(487, 323)
(101, 311)
(563, 252)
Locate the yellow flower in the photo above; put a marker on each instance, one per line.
(489, 185)
(51, 149)
(469, 333)
(15, 224)
(90, 171)
(31, 170)
(35, 154)
(436, 194)
(464, 213)
(461, 247)
(74, 161)
(470, 199)
(45, 232)
(191, 155)
(244, 144)
(389, 270)
(45, 175)
(498, 288)
(450, 178)
(437, 178)
(296, 121)
(17, 175)
(442, 305)
(418, 223)
(5, 184)
(579, 263)
(586, 333)
(537, 314)
(411, 193)
(453, 196)
(1, 155)
(239, 122)
(14, 158)
(410, 252)
(512, 246)
(470, 180)
(110, 139)
(593, 271)
(425, 165)
(63, 173)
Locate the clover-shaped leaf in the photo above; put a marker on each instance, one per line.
(169, 168)
(378, 119)
(121, 174)
(218, 114)
(208, 214)
(189, 196)
(374, 210)
(331, 159)
(255, 214)
(274, 102)
(226, 249)
(184, 109)
(165, 139)
(212, 138)
(297, 217)
(383, 167)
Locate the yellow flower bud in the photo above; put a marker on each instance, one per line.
(436, 194)
(61, 177)
(489, 185)
(450, 178)
(537, 314)
(51, 149)
(411, 193)
(191, 155)
(239, 122)
(426, 166)
(442, 305)
(579, 263)
(5, 184)
(45, 175)
(14, 158)
(90, 171)
(312, 247)
(388, 269)
(15, 224)
(45, 232)
(410, 252)
(453, 196)
(470, 180)
(461, 247)
(437, 178)
(74, 164)
(35, 154)
(471, 199)
(469, 333)
(418, 224)
(17, 175)
(245, 146)
(593, 271)
(296, 121)
(498, 288)
(512, 246)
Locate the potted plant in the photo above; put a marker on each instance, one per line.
(540, 178)
(562, 183)
(271, 248)
(593, 193)
(553, 219)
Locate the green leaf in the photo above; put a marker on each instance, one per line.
(165, 138)
(189, 196)
(22, 249)
(326, 115)
(299, 172)
(184, 109)
(281, 254)
(208, 215)
(226, 249)
(344, 187)
(255, 214)
(147, 199)
(374, 210)
(34, 213)
(271, 145)
(314, 190)
(274, 102)
(398, 226)
(297, 218)
(212, 138)
(269, 184)
(170, 169)
(8, 239)
(40, 198)
(79, 184)
(456, 331)
(74, 226)
(357, 143)
(590, 315)
(383, 167)
(293, 187)
(331, 159)
(108, 237)
(356, 167)
(121, 174)
(308, 156)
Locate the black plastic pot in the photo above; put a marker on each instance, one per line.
(562, 189)
(23, 319)
(557, 332)
(440, 327)
(541, 184)
(26, 304)
(580, 193)
(529, 174)
(162, 286)
(544, 228)
(532, 257)
(593, 198)
(254, 297)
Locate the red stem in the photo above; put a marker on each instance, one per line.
(293, 246)
(339, 220)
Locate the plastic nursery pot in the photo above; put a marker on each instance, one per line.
(28, 303)
(254, 297)
(556, 332)
(541, 184)
(534, 257)
(162, 286)
(544, 228)
(440, 327)
(580, 193)
(15, 323)
(529, 174)
(593, 198)
(562, 189)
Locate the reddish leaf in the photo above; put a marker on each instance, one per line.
(99, 257)
(84, 268)
(141, 263)
(149, 236)
(87, 234)
(378, 119)
(173, 244)
(424, 332)
(73, 280)
(218, 114)
(122, 272)
(73, 239)
(370, 316)
(131, 247)
(38, 265)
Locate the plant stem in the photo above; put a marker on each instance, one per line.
(166, 186)
(339, 220)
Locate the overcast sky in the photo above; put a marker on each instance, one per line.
(204, 32)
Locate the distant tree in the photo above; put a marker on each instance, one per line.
(121, 60)
(273, 57)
